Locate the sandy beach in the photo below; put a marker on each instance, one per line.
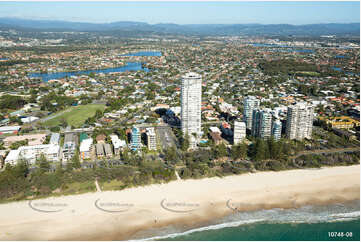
(119, 215)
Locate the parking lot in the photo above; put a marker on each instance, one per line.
(166, 137)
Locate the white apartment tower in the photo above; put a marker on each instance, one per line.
(191, 98)
(239, 132)
(151, 139)
(249, 104)
(299, 121)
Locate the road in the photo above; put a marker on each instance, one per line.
(55, 115)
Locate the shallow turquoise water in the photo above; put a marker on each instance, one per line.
(280, 232)
(303, 224)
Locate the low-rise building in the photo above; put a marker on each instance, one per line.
(85, 148)
(29, 119)
(216, 137)
(33, 139)
(33, 152)
(54, 138)
(108, 150)
(343, 122)
(69, 147)
(118, 144)
(99, 150)
(151, 139)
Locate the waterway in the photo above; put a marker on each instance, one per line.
(145, 53)
(130, 66)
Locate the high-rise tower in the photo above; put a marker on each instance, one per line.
(262, 123)
(136, 139)
(239, 132)
(249, 104)
(299, 121)
(191, 98)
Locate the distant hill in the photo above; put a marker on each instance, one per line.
(188, 29)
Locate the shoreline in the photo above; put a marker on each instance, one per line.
(126, 214)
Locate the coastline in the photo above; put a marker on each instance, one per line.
(126, 214)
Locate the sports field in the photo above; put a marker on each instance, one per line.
(74, 116)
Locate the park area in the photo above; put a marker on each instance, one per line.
(74, 116)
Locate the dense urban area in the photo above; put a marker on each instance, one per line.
(81, 112)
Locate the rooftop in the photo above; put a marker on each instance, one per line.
(191, 75)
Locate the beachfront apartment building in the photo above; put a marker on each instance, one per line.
(239, 132)
(265, 124)
(151, 139)
(262, 123)
(33, 152)
(99, 148)
(276, 129)
(108, 151)
(249, 104)
(215, 134)
(117, 143)
(54, 138)
(70, 145)
(136, 141)
(86, 148)
(299, 121)
(191, 99)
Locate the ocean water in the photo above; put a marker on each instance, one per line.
(304, 224)
(280, 232)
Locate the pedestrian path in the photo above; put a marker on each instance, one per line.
(97, 185)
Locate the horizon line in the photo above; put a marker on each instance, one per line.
(133, 21)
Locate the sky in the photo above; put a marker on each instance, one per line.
(188, 12)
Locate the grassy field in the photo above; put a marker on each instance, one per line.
(74, 116)
(309, 73)
(112, 185)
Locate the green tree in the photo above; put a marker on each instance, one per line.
(274, 148)
(260, 150)
(220, 151)
(75, 160)
(98, 114)
(185, 142)
(171, 155)
(68, 166)
(59, 170)
(243, 147)
(43, 163)
(235, 152)
(21, 169)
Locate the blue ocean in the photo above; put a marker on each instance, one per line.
(320, 223)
